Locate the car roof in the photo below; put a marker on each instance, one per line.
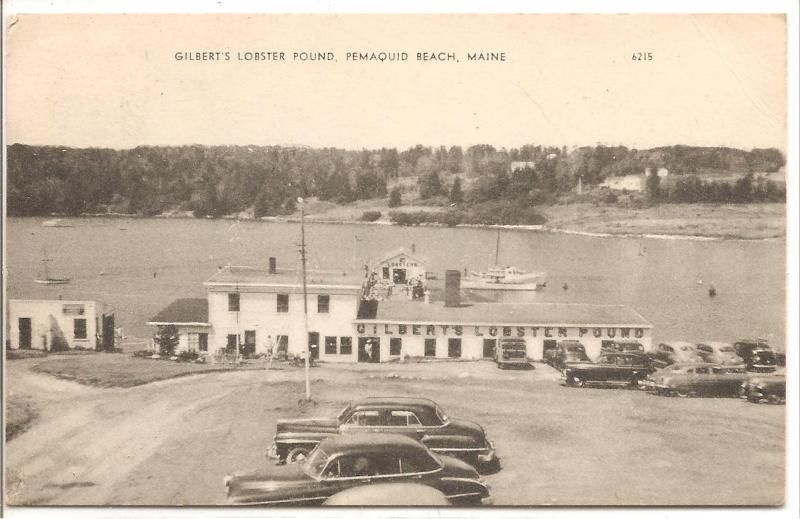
(715, 344)
(677, 343)
(368, 442)
(391, 400)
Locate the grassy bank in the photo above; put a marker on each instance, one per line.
(740, 221)
(119, 370)
(20, 414)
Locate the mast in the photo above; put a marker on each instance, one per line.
(305, 295)
(497, 249)
(45, 261)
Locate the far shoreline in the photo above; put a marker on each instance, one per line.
(710, 222)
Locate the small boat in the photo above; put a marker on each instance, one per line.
(56, 222)
(47, 279)
(504, 278)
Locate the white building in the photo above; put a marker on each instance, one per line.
(522, 164)
(254, 309)
(472, 330)
(398, 267)
(258, 309)
(625, 183)
(52, 324)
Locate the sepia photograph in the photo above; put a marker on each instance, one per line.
(398, 260)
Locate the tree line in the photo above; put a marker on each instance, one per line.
(220, 180)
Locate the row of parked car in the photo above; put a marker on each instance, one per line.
(386, 441)
(678, 368)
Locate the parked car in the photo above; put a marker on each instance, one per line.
(757, 355)
(764, 387)
(569, 352)
(667, 353)
(622, 347)
(697, 379)
(611, 368)
(389, 494)
(346, 461)
(719, 353)
(512, 353)
(419, 418)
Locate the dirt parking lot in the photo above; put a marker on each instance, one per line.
(172, 442)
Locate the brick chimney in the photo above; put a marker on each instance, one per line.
(452, 288)
(273, 265)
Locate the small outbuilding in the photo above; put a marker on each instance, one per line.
(52, 325)
(399, 267)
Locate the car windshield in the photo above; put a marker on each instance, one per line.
(343, 414)
(726, 349)
(440, 414)
(315, 463)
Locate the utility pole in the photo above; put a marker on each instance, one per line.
(305, 294)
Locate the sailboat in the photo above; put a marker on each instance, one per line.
(503, 278)
(47, 279)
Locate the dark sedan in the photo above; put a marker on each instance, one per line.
(342, 462)
(764, 388)
(418, 418)
(757, 355)
(569, 352)
(699, 379)
(610, 368)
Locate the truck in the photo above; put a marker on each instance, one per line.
(512, 353)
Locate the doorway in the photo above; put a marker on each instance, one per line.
(489, 346)
(399, 276)
(369, 349)
(25, 333)
(549, 345)
(313, 344)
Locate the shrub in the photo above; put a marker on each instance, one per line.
(395, 198)
(370, 216)
(187, 356)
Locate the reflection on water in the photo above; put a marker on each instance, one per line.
(137, 266)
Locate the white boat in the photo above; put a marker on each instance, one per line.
(504, 278)
(56, 222)
(47, 279)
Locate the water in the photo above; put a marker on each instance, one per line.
(138, 266)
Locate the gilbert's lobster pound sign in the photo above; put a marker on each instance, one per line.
(498, 331)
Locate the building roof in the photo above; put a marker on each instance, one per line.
(544, 314)
(250, 276)
(183, 311)
(398, 252)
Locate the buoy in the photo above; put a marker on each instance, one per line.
(566, 287)
(712, 291)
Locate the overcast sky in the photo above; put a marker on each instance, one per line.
(113, 81)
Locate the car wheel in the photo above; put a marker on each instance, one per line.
(577, 381)
(774, 399)
(682, 393)
(298, 454)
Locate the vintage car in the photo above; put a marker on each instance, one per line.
(766, 387)
(757, 355)
(719, 353)
(622, 347)
(350, 460)
(569, 352)
(696, 379)
(611, 368)
(667, 353)
(389, 494)
(512, 353)
(419, 418)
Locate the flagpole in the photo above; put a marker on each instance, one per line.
(305, 295)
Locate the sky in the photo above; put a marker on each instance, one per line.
(113, 80)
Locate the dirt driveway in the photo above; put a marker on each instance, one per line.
(172, 442)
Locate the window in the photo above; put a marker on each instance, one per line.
(79, 328)
(489, 346)
(430, 347)
(364, 418)
(385, 272)
(701, 371)
(403, 419)
(193, 341)
(330, 345)
(202, 341)
(345, 345)
(395, 346)
(233, 302)
(454, 348)
(323, 304)
(283, 303)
